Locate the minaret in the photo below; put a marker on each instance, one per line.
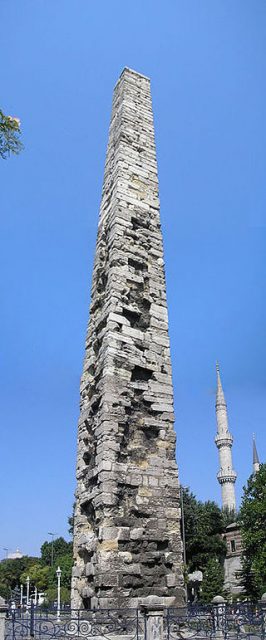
(256, 462)
(127, 542)
(223, 440)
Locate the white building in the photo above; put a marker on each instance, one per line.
(15, 555)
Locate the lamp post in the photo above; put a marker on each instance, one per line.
(183, 526)
(28, 592)
(21, 596)
(50, 533)
(58, 574)
(183, 534)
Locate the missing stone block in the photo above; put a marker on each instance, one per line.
(162, 545)
(139, 223)
(88, 510)
(86, 603)
(132, 316)
(137, 265)
(95, 405)
(151, 431)
(141, 373)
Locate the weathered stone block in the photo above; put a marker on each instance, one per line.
(171, 580)
(126, 556)
(77, 572)
(136, 534)
(90, 569)
(108, 533)
(108, 545)
(123, 533)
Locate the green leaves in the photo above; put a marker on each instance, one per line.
(9, 135)
(51, 595)
(205, 547)
(42, 575)
(55, 549)
(253, 531)
(11, 571)
(38, 576)
(203, 528)
(213, 581)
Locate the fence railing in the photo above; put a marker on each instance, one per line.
(216, 621)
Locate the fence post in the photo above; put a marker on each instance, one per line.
(219, 622)
(262, 603)
(3, 612)
(32, 619)
(153, 617)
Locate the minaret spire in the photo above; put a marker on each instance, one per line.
(256, 462)
(219, 394)
(224, 440)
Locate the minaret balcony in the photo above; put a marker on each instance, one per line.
(224, 440)
(226, 476)
(220, 404)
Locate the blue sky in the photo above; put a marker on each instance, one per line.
(60, 61)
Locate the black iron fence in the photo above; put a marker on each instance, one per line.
(217, 621)
(47, 624)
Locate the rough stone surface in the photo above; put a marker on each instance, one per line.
(127, 542)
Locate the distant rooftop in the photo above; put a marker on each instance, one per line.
(15, 555)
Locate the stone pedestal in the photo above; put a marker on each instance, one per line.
(262, 603)
(154, 618)
(219, 604)
(3, 612)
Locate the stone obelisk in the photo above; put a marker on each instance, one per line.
(127, 543)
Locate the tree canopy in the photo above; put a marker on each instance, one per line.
(51, 551)
(40, 571)
(205, 547)
(253, 531)
(213, 581)
(204, 526)
(38, 576)
(9, 135)
(11, 571)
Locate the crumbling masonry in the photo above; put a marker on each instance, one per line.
(127, 523)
